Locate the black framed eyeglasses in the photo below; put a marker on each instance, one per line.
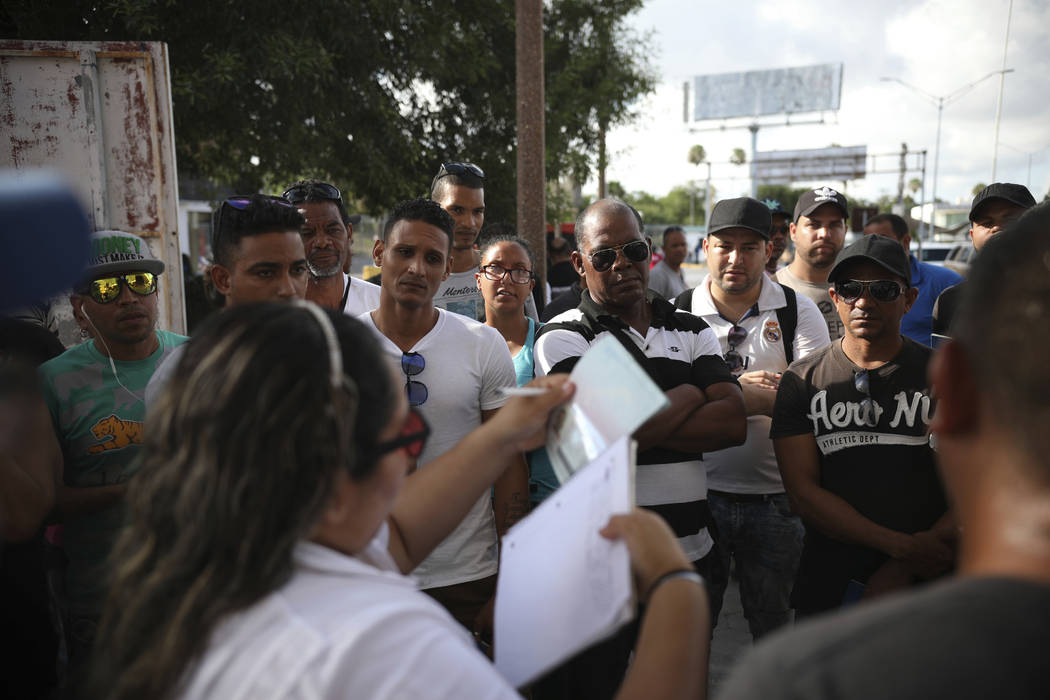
(736, 336)
(879, 290)
(412, 439)
(456, 168)
(297, 194)
(635, 251)
(412, 363)
(496, 273)
(862, 383)
(105, 289)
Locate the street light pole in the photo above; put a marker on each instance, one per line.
(941, 102)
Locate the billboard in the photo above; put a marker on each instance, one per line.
(779, 91)
(836, 163)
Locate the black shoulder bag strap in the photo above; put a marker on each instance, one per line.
(788, 318)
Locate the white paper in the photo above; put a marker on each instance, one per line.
(614, 396)
(562, 586)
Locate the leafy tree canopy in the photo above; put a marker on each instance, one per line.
(370, 94)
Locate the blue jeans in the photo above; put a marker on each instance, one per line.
(765, 538)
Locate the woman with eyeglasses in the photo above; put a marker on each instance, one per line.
(506, 281)
(272, 523)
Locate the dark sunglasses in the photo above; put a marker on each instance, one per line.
(862, 383)
(496, 273)
(412, 438)
(412, 363)
(879, 290)
(635, 251)
(457, 169)
(240, 202)
(737, 335)
(297, 194)
(105, 289)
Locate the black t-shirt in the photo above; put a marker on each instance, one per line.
(886, 472)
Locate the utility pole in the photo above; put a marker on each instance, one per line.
(900, 181)
(941, 102)
(999, 103)
(532, 179)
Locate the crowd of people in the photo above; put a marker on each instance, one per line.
(307, 497)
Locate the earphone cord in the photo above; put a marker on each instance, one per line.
(113, 365)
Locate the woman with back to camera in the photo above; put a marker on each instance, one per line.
(272, 520)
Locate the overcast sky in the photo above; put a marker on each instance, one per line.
(936, 45)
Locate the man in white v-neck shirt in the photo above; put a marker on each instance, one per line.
(453, 369)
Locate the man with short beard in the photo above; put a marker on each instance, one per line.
(328, 234)
(818, 231)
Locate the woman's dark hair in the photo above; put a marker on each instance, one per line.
(240, 455)
(508, 238)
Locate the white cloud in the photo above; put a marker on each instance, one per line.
(935, 45)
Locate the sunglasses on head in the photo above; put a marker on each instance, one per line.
(105, 289)
(297, 194)
(457, 169)
(240, 202)
(879, 290)
(635, 251)
(412, 363)
(412, 438)
(737, 335)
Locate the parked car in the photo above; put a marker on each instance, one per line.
(934, 252)
(960, 257)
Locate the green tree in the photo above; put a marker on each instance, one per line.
(697, 154)
(977, 188)
(738, 157)
(370, 94)
(915, 184)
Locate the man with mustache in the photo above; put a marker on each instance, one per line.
(328, 234)
(851, 435)
(762, 326)
(818, 231)
(94, 392)
(681, 353)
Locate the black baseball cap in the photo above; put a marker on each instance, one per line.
(775, 207)
(880, 250)
(812, 199)
(742, 212)
(1015, 194)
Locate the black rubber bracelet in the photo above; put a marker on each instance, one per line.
(689, 574)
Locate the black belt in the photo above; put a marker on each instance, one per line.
(745, 497)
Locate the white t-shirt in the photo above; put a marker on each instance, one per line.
(752, 467)
(466, 365)
(343, 627)
(362, 296)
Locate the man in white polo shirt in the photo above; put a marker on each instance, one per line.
(762, 326)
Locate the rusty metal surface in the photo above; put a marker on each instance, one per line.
(100, 113)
